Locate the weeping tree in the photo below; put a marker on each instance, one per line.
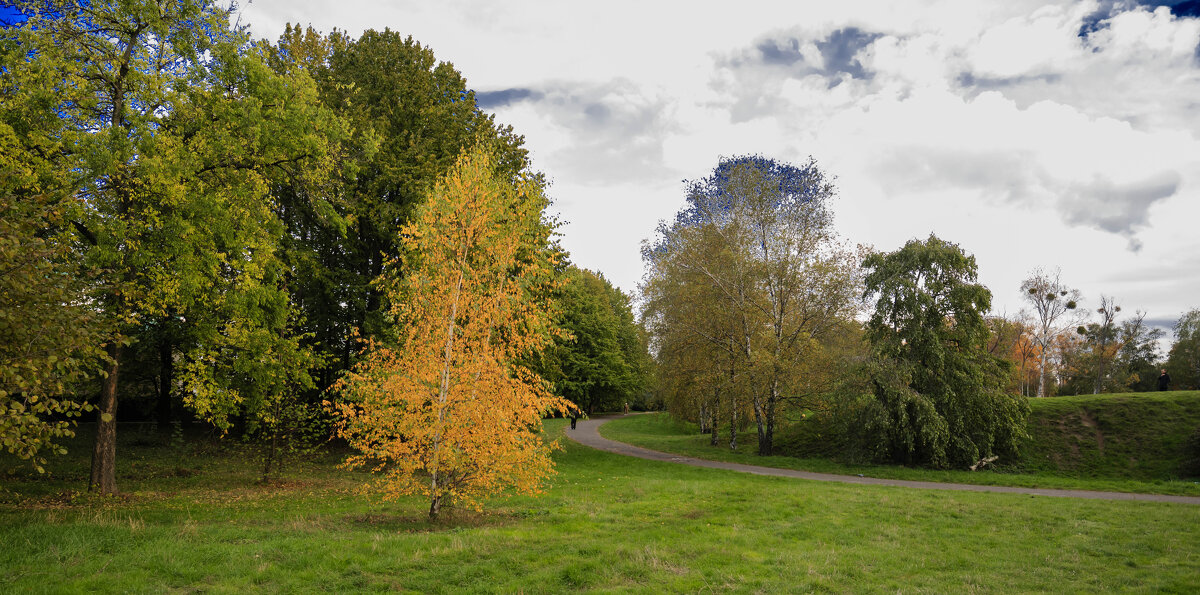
(936, 393)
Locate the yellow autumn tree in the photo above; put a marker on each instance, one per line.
(443, 410)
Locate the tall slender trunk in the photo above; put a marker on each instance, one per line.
(712, 428)
(435, 494)
(767, 446)
(732, 422)
(104, 452)
(1042, 376)
(759, 422)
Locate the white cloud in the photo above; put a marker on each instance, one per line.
(993, 124)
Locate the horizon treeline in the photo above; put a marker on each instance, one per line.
(763, 320)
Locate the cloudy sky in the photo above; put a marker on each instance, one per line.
(1031, 133)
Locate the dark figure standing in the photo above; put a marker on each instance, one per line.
(573, 418)
(1164, 380)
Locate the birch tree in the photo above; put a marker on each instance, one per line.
(444, 410)
(1052, 302)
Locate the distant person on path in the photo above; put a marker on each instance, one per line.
(1164, 380)
(573, 419)
(626, 407)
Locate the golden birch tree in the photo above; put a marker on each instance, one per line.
(443, 410)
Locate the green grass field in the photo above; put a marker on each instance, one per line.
(193, 519)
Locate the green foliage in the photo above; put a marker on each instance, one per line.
(411, 117)
(938, 397)
(602, 362)
(168, 122)
(48, 338)
(747, 283)
(49, 335)
(805, 445)
(1183, 361)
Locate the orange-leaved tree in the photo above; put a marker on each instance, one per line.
(443, 409)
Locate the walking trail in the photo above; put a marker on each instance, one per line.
(587, 434)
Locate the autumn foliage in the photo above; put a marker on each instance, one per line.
(442, 410)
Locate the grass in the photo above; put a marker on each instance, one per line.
(194, 519)
(660, 432)
(1135, 435)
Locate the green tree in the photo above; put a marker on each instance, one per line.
(938, 397)
(1183, 361)
(170, 121)
(411, 117)
(1139, 357)
(48, 337)
(600, 361)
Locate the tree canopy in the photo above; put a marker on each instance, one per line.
(937, 392)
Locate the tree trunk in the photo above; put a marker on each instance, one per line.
(732, 423)
(166, 381)
(104, 454)
(435, 506)
(1042, 376)
(767, 446)
(712, 425)
(760, 425)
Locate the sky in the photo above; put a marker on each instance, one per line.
(1060, 135)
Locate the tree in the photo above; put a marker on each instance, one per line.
(602, 363)
(1051, 300)
(411, 116)
(170, 120)
(445, 410)
(1013, 340)
(701, 372)
(779, 268)
(938, 397)
(1183, 361)
(1139, 356)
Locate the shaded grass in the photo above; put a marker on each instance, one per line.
(658, 431)
(609, 523)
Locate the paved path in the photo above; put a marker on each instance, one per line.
(587, 434)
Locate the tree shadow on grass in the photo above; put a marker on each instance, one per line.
(450, 520)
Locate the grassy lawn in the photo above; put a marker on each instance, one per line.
(660, 432)
(194, 520)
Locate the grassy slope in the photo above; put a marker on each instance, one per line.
(196, 521)
(659, 432)
(1136, 435)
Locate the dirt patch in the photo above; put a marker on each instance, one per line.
(1088, 421)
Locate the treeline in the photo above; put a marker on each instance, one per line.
(761, 317)
(201, 227)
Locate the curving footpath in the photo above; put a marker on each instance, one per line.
(587, 433)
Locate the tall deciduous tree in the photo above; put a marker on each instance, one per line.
(1051, 301)
(172, 120)
(602, 363)
(938, 397)
(411, 115)
(447, 411)
(783, 273)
